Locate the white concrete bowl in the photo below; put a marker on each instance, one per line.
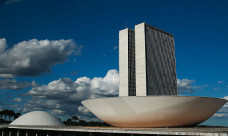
(154, 111)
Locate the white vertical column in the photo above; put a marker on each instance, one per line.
(140, 60)
(123, 62)
(18, 133)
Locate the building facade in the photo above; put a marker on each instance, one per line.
(147, 62)
(155, 61)
(147, 71)
(127, 62)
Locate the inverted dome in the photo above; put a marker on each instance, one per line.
(154, 111)
(37, 118)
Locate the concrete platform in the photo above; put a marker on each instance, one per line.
(202, 131)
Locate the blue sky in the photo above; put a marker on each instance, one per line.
(83, 36)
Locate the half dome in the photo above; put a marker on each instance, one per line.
(37, 118)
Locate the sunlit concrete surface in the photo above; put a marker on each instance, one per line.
(40, 118)
(123, 62)
(104, 131)
(154, 111)
(3, 126)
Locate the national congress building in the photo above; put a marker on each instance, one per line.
(148, 85)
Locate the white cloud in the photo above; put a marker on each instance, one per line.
(64, 96)
(217, 89)
(220, 82)
(220, 85)
(3, 45)
(15, 85)
(223, 112)
(115, 47)
(83, 110)
(218, 115)
(6, 76)
(58, 112)
(12, 1)
(107, 85)
(17, 99)
(226, 105)
(33, 57)
(185, 85)
(199, 87)
(34, 84)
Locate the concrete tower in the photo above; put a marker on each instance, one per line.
(155, 61)
(147, 63)
(127, 62)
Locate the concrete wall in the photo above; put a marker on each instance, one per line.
(123, 62)
(127, 62)
(140, 60)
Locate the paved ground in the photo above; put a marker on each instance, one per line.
(213, 131)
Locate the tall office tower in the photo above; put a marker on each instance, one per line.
(147, 64)
(127, 62)
(155, 61)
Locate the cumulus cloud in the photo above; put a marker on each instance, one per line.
(185, 85)
(33, 57)
(15, 85)
(64, 96)
(223, 112)
(83, 110)
(17, 99)
(6, 76)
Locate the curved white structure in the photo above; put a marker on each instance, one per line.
(37, 118)
(154, 111)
